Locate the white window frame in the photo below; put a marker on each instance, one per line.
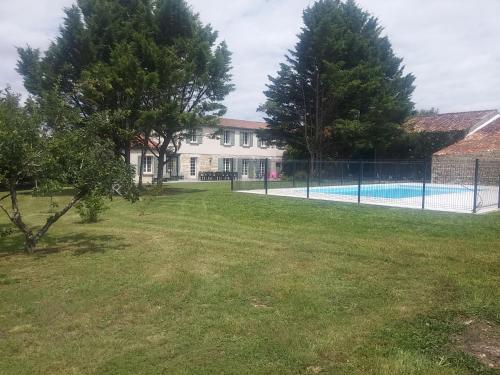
(246, 139)
(193, 137)
(170, 165)
(244, 167)
(226, 165)
(193, 166)
(147, 165)
(227, 138)
(262, 167)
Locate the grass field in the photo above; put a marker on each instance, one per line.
(205, 281)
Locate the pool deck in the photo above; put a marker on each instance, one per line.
(459, 202)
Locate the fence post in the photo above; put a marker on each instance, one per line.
(266, 172)
(424, 184)
(320, 163)
(476, 181)
(308, 177)
(232, 174)
(360, 181)
(498, 191)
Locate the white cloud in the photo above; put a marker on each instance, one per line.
(451, 46)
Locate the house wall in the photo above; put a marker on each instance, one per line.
(460, 169)
(211, 144)
(209, 151)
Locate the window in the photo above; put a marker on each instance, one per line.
(147, 164)
(244, 168)
(245, 138)
(227, 165)
(170, 166)
(262, 168)
(193, 138)
(227, 137)
(278, 168)
(192, 167)
(263, 144)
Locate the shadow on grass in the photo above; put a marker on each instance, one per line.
(76, 243)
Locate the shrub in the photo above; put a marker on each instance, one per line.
(91, 207)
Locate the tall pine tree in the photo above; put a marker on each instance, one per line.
(341, 93)
(150, 65)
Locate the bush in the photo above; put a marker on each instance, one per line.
(91, 207)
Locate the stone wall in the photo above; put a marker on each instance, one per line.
(448, 169)
(213, 163)
(205, 163)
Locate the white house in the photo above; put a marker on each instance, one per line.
(214, 150)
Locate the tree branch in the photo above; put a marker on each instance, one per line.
(51, 220)
(4, 197)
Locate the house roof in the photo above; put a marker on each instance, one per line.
(447, 122)
(242, 124)
(139, 141)
(483, 141)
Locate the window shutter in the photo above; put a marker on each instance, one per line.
(221, 164)
(222, 139)
(199, 136)
(155, 165)
(233, 136)
(138, 169)
(239, 165)
(241, 138)
(250, 136)
(251, 169)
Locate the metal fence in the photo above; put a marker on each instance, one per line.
(466, 185)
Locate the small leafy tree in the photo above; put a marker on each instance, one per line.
(66, 154)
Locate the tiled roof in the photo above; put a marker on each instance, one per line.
(446, 122)
(242, 124)
(484, 141)
(139, 141)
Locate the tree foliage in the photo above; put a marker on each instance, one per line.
(67, 154)
(151, 65)
(341, 92)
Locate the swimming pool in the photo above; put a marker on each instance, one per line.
(395, 191)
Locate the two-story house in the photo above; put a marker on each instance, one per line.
(216, 150)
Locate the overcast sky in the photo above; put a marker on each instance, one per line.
(452, 46)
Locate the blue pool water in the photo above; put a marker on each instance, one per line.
(388, 191)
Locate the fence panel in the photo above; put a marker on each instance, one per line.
(441, 184)
(489, 184)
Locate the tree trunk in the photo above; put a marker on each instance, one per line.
(141, 166)
(162, 153)
(127, 152)
(161, 164)
(29, 245)
(31, 239)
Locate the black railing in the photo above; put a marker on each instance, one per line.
(217, 176)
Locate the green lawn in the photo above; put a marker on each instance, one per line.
(205, 281)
